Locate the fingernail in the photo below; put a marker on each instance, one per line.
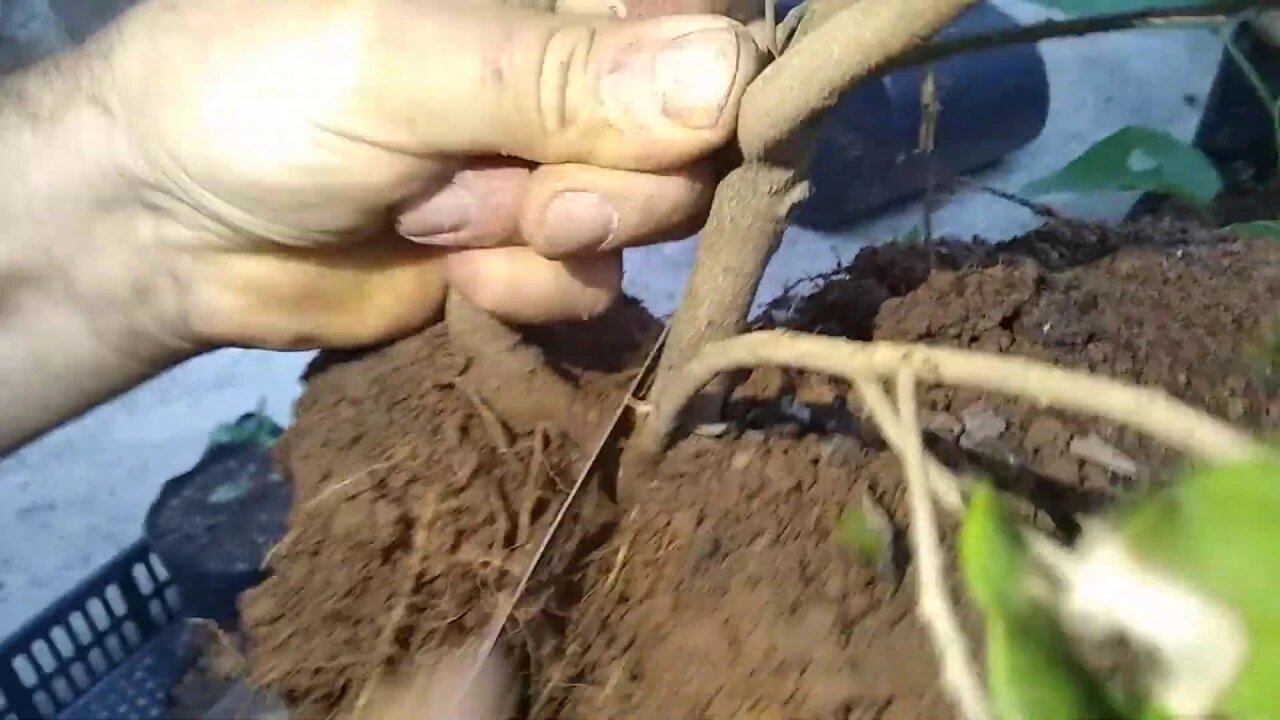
(577, 221)
(434, 221)
(695, 75)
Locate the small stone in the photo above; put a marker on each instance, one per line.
(841, 450)
(941, 423)
(1096, 450)
(714, 430)
(1044, 432)
(981, 425)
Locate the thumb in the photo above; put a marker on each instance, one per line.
(478, 80)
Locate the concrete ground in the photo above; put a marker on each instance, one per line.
(73, 498)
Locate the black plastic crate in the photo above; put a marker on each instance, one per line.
(113, 647)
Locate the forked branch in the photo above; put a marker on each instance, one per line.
(749, 213)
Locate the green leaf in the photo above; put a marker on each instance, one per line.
(1259, 228)
(1218, 529)
(1099, 7)
(1031, 670)
(865, 529)
(1136, 159)
(255, 427)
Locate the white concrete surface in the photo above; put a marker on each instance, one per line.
(75, 497)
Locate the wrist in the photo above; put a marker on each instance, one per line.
(87, 308)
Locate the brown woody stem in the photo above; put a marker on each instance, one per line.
(748, 215)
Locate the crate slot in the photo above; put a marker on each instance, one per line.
(44, 704)
(158, 612)
(98, 612)
(142, 578)
(157, 568)
(62, 690)
(62, 641)
(115, 598)
(43, 656)
(79, 673)
(25, 670)
(114, 648)
(80, 628)
(98, 661)
(132, 635)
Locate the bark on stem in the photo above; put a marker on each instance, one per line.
(750, 207)
(746, 223)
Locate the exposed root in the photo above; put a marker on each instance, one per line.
(1148, 410)
(395, 618)
(945, 486)
(934, 605)
(511, 375)
(325, 494)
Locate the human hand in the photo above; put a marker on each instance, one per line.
(285, 151)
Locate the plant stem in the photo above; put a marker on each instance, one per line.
(1167, 17)
(1148, 410)
(746, 223)
(748, 215)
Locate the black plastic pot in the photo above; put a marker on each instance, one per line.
(213, 526)
(993, 102)
(1235, 130)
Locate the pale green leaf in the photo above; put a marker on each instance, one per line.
(866, 530)
(1136, 159)
(1031, 671)
(256, 427)
(1259, 228)
(1218, 529)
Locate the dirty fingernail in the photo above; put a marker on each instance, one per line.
(695, 74)
(440, 217)
(576, 221)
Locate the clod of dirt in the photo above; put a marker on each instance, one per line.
(711, 586)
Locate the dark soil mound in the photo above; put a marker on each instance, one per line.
(713, 587)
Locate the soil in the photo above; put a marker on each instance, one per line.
(710, 586)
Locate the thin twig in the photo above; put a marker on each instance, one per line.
(1157, 17)
(934, 605)
(1149, 410)
(930, 107)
